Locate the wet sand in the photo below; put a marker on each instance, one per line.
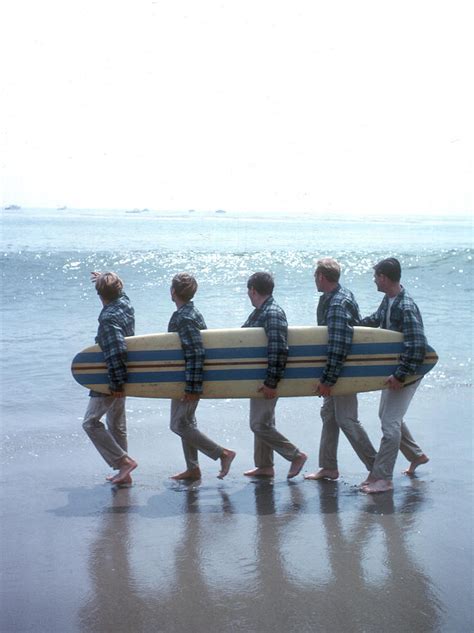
(79, 555)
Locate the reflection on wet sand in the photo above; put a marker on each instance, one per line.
(374, 582)
(114, 602)
(229, 560)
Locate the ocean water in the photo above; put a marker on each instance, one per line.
(50, 309)
(220, 555)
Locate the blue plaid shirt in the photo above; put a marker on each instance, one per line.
(116, 321)
(405, 317)
(188, 322)
(339, 311)
(273, 320)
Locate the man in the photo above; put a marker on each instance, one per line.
(116, 321)
(338, 309)
(270, 316)
(188, 322)
(397, 312)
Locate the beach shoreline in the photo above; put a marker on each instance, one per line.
(81, 555)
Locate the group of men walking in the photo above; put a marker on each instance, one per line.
(337, 309)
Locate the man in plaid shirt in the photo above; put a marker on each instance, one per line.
(397, 312)
(188, 322)
(338, 310)
(116, 321)
(270, 316)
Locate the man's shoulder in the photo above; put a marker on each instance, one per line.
(406, 301)
(345, 292)
(117, 310)
(189, 313)
(107, 313)
(343, 295)
(188, 309)
(271, 306)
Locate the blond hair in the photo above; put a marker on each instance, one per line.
(109, 286)
(330, 268)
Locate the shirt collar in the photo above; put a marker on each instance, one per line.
(397, 297)
(266, 303)
(333, 292)
(185, 305)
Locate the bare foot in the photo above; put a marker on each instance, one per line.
(226, 460)
(296, 465)
(260, 472)
(369, 480)
(323, 473)
(127, 480)
(110, 477)
(193, 473)
(379, 485)
(126, 465)
(422, 459)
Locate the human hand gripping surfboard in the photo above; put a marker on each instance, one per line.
(236, 361)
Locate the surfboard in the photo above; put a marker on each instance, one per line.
(236, 361)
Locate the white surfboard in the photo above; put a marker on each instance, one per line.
(236, 361)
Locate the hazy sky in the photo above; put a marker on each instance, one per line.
(257, 105)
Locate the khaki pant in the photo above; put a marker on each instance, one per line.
(111, 442)
(267, 439)
(340, 413)
(395, 433)
(183, 423)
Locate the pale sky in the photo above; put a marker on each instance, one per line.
(325, 106)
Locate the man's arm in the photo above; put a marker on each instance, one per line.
(113, 346)
(276, 329)
(194, 354)
(371, 321)
(414, 345)
(340, 334)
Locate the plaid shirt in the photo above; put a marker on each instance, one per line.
(273, 319)
(405, 317)
(116, 320)
(188, 322)
(339, 311)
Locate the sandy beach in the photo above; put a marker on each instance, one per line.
(79, 555)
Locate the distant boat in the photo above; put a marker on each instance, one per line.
(220, 211)
(12, 207)
(62, 208)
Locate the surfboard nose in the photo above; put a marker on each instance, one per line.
(88, 364)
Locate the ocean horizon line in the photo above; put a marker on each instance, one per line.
(266, 215)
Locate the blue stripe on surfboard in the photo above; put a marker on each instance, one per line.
(303, 350)
(300, 351)
(215, 375)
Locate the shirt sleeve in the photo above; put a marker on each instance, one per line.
(276, 329)
(340, 334)
(250, 321)
(371, 321)
(414, 344)
(194, 354)
(112, 342)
